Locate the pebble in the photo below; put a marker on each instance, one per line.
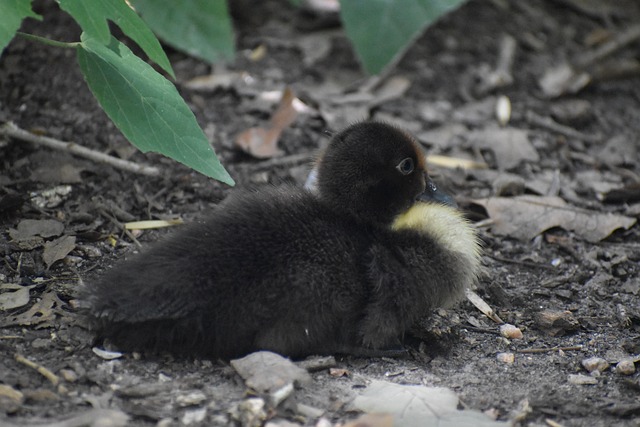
(506, 357)
(191, 399)
(250, 412)
(593, 364)
(626, 367)
(510, 331)
(580, 379)
(194, 416)
(11, 400)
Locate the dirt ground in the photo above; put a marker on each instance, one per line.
(572, 297)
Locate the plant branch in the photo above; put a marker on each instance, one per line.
(13, 131)
(44, 40)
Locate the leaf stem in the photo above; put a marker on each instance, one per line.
(32, 37)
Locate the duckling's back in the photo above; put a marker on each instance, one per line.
(273, 269)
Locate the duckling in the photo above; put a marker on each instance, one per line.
(346, 269)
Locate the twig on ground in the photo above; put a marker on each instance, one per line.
(549, 349)
(552, 125)
(120, 225)
(11, 130)
(481, 305)
(281, 161)
(53, 378)
(523, 263)
(501, 76)
(93, 417)
(622, 39)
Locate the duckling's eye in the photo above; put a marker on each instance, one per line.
(406, 166)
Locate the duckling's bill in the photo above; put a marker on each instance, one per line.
(433, 193)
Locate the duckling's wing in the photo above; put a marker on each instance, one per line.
(162, 282)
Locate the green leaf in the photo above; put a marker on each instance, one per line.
(381, 29)
(13, 12)
(145, 106)
(201, 28)
(92, 17)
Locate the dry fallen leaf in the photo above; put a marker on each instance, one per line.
(563, 79)
(18, 298)
(510, 146)
(56, 174)
(418, 406)
(262, 143)
(28, 228)
(58, 249)
(525, 217)
(42, 313)
(481, 305)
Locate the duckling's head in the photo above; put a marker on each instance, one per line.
(373, 170)
(377, 172)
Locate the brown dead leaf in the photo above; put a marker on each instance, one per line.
(619, 150)
(57, 249)
(28, 228)
(42, 313)
(445, 136)
(14, 296)
(315, 46)
(419, 406)
(525, 217)
(391, 89)
(262, 143)
(510, 146)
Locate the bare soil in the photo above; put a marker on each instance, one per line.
(593, 287)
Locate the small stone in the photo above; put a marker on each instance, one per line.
(572, 112)
(250, 412)
(506, 357)
(40, 395)
(626, 367)
(323, 422)
(191, 399)
(194, 416)
(510, 331)
(281, 423)
(62, 390)
(106, 354)
(580, 379)
(339, 372)
(11, 394)
(556, 322)
(593, 364)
